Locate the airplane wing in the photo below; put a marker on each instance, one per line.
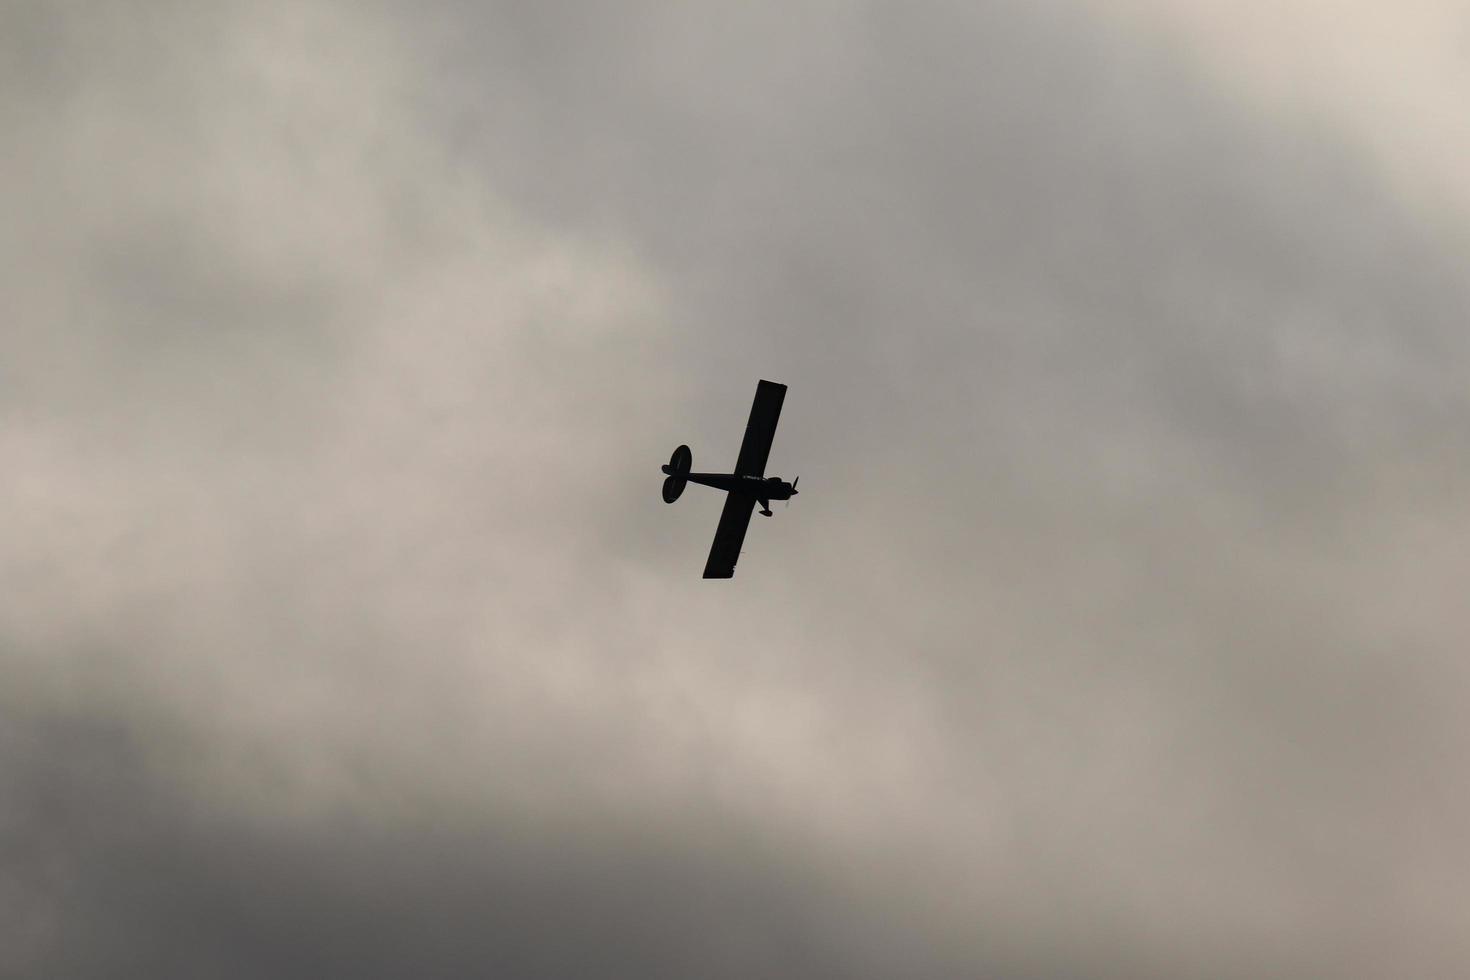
(760, 430)
(725, 552)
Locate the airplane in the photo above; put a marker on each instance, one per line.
(743, 488)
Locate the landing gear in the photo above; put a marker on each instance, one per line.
(766, 508)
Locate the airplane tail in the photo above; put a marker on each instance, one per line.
(678, 473)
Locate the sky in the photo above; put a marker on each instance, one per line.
(1118, 631)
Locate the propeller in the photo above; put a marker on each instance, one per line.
(793, 490)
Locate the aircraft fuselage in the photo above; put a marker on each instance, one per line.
(763, 489)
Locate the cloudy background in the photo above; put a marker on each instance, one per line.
(1119, 630)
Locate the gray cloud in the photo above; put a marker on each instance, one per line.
(343, 630)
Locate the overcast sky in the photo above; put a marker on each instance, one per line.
(1119, 630)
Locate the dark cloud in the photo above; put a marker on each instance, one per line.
(343, 629)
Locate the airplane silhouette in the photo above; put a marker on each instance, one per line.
(743, 488)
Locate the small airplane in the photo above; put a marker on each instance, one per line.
(747, 485)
